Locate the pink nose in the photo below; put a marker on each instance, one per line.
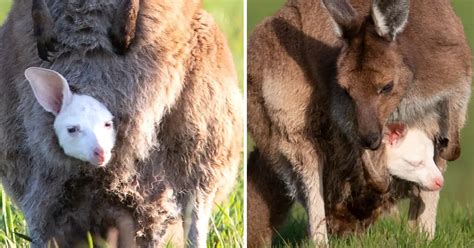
(438, 182)
(99, 154)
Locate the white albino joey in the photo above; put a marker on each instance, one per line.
(410, 156)
(84, 126)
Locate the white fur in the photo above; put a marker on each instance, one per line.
(411, 159)
(335, 27)
(422, 214)
(400, 28)
(95, 136)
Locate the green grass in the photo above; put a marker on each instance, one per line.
(226, 226)
(454, 229)
(455, 215)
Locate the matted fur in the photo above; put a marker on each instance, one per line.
(177, 106)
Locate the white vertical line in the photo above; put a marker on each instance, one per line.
(245, 122)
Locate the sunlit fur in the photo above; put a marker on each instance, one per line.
(304, 124)
(177, 111)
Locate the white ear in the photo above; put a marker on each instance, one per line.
(50, 88)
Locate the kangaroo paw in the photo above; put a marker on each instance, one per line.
(449, 150)
(44, 33)
(46, 45)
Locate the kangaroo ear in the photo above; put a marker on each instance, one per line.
(344, 17)
(50, 88)
(390, 16)
(394, 133)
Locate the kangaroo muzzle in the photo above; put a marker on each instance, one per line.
(370, 131)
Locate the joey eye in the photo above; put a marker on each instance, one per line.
(109, 124)
(73, 129)
(417, 163)
(387, 88)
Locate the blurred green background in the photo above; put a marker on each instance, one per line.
(226, 225)
(456, 219)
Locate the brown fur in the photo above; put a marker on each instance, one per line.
(122, 32)
(178, 119)
(268, 202)
(368, 62)
(303, 120)
(366, 65)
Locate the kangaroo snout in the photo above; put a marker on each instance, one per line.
(99, 155)
(371, 141)
(437, 184)
(369, 127)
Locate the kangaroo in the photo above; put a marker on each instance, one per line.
(351, 205)
(381, 56)
(83, 125)
(177, 118)
(400, 63)
(384, 56)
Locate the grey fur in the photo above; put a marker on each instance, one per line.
(395, 13)
(43, 26)
(178, 119)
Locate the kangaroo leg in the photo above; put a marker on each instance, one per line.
(268, 202)
(126, 231)
(422, 212)
(123, 28)
(308, 165)
(423, 207)
(43, 26)
(201, 213)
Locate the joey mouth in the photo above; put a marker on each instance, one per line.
(430, 188)
(100, 162)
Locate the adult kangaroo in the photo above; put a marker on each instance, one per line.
(397, 61)
(177, 111)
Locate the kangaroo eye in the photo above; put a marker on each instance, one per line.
(387, 88)
(109, 124)
(73, 129)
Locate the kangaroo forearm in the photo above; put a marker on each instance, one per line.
(453, 116)
(43, 28)
(124, 26)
